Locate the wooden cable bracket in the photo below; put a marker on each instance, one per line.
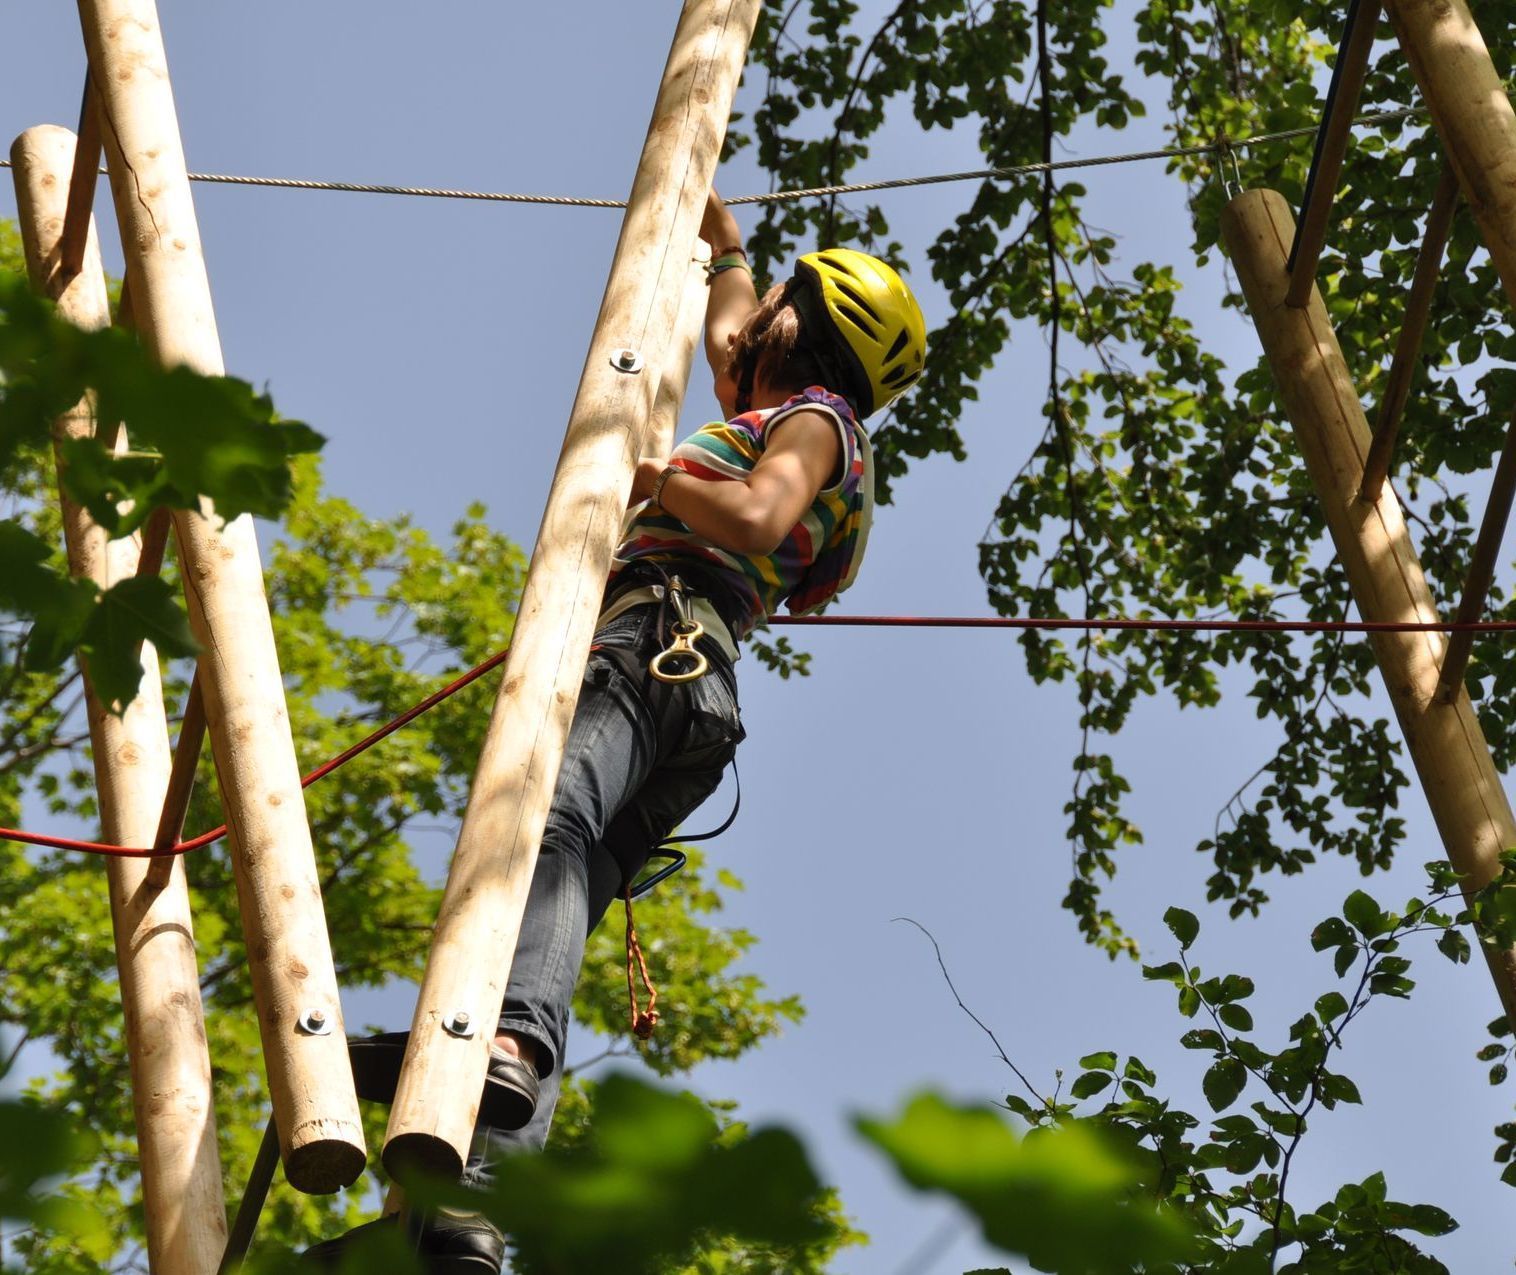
(1418, 310)
(1476, 588)
(81, 185)
(1331, 148)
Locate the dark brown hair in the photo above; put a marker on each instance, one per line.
(771, 346)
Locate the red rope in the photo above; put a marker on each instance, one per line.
(321, 772)
(864, 621)
(1152, 626)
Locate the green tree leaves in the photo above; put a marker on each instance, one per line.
(206, 437)
(655, 1179)
(1067, 1198)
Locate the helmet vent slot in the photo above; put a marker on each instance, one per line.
(893, 375)
(839, 263)
(853, 296)
(859, 321)
(898, 344)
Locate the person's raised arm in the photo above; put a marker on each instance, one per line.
(732, 298)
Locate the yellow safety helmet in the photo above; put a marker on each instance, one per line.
(863, 312)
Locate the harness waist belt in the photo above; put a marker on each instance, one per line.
(701, 609)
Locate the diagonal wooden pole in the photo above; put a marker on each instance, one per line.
(1472, 113)
(1413, 329)
(278, 888)
(1332, 147)
(155, 944)
(83, 177)
(432, 1119)
(1445, 741)
(1476, 587)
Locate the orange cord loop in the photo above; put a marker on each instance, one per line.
(643, 1021)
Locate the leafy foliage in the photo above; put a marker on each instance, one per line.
(206, 438)
(1068, 1199)
(1158, 481)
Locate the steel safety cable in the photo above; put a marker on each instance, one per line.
(808, 192)
(1050, 623)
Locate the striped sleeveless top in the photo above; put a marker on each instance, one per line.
(815, 562)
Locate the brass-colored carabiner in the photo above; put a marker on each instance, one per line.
(685, 634)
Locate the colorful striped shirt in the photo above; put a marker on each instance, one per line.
(820, 556)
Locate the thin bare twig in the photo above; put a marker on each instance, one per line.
(978, 1022)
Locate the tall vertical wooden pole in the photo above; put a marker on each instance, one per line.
(1445, 741)
(289, 956)
(155, 944)
(432, 1118)
(674, 373)
(1472, 114)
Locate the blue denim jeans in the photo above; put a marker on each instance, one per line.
(641, 756)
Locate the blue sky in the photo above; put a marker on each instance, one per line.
(916, 773)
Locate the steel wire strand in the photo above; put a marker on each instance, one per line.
(808, 192)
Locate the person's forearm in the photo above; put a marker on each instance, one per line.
(726, 513)
(732, 298)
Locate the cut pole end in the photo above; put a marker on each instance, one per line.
(408, 1156)
(324, 1166)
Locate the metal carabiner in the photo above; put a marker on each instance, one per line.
(685, 631)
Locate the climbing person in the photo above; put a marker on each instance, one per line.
(769, 506)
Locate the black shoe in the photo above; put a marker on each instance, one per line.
(449, 1242)
(459, 1242)
(510, 1091)
(328, 1254)
(510, 1084)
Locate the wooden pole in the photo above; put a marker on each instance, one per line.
(432, 1118)
(155, 946)
(181, 784)
(1445, 741)
(1472, 113)
(289, 955)
(84, 176)
(674, 375)
(1336, 131)
(1481, 570)
(1418, 309)
(254, 1197)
